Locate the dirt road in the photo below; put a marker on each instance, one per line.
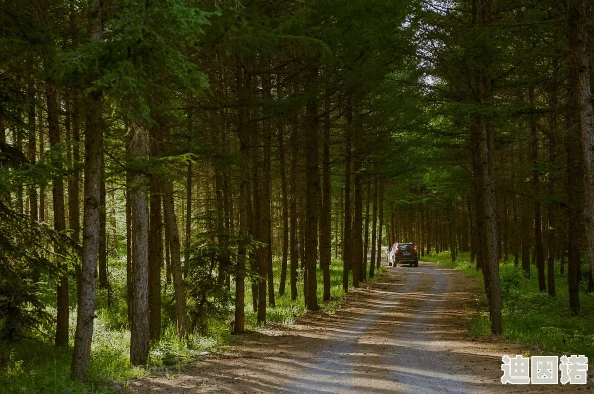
(406, 333)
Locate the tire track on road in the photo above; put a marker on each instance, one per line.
(334, 366)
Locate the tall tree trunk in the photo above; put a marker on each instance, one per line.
(188, 235)
(479, 209)
(374, 230)
(252, 224)
(42, 201)
(223, 260)
(94, 129)
(366, 236)
(312, 204)
(179, 286)
(103, 281)
(525, 241)
(484, 135)
(380, 203)
(490, 252)
(228, 211)
(579, 43)
(357, 227)
(129, 249)
(325, 214)
(74, 183)
(551, 214)
(574, 233)
(17, 138)
(32, 145)
(61, 338)
(140, 337)
(429, 229)
(516, 232)
(538, 247)
(575, 193)
(294, 251)
(239, 320)
(347, 238)
(189, 175)
(155, 244)
(285, 210)
(266, 198)
(32, 156)
(258, 224)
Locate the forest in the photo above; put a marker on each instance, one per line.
(174, 172)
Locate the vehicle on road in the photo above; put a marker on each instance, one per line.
(406, 253)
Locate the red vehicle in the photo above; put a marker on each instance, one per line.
(406, 253)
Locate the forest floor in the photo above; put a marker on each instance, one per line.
(406, 332)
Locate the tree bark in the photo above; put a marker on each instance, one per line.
(103, 282)
(574, 233)
(294, 251)
(366, 236)
(484, 136)
(285, 211)
(74, 181)
(380, 203)
(86, 303)
(258, 224)
(374, 230)
(239, 320)
(347, 238)
(179, 286)
(266, 198)
(129, 251)
(311, 202)
(575, 193)
(579, 43)
(189, 175)
(540, 265)
(139, 337)
(155, 245)
(525, 242)
(42, 201)
(357, 227)
(325, 214)
(551, 214)
(31, 145)
(63, 302)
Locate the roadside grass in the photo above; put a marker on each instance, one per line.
(533, 318)
(286, 310)
(36, 366)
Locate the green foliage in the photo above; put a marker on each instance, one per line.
(142, 55)
(536, 318)
(532, 317)
(461, 264)
(29, 366)
(286, 310)
(33, 367)
(29, 253)
(209, 268)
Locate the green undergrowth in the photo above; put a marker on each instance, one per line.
(287, 310)
(35, 366)
(541, 322)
